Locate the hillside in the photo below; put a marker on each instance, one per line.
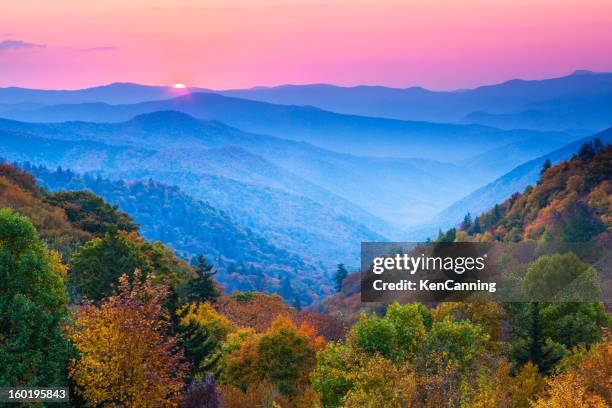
(245, 259)
(497, 191)
(18, 191)
(570, 202)
(348, 184)
(318, 240)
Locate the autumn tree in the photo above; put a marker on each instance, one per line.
(256, 310)
(33, 307)
(126, 357)
(586, 384)
(283, 355)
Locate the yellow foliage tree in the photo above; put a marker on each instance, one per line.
(126, 358)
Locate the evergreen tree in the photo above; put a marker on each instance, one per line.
(476, 227)
(529, 343)
(341, 274)
(203, 287)
(545, 166)
(201, 351)
(467, 222)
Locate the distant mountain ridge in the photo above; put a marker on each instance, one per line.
(115, 93)
(357, 135)
(500, 105)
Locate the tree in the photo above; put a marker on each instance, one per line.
(547, 164)
(287, 356)
(562, 278)
(203, 287)
(33, 307)
(283, 356)
(467, 222)
(202, 330)
(528, 343)
(96, 267)
(340, 276)
(126, 358)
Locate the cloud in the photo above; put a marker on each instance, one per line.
(6, 45)
(110, 48)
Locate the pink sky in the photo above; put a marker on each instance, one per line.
(438, 44)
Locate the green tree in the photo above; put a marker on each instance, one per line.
(561, 278)
(96, 267)
(33, 307)
(340, 276)
(467, 222)
(202, 350)
(528, 343)
(202, 288)
(461, 343)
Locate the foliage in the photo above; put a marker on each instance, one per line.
(33, 307)
(253, 309)
(88, 212)
(126, 357)
(202, 331)
(19, 192)
(566, 204)
(97, 265)
(561, 278)
(587, 384)
(283, 356)
(401, 359)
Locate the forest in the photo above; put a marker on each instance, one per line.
(86, 302)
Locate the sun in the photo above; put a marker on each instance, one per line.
(179, 86)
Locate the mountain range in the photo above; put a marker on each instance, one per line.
(278, 184)
(580, 103)
(357, 135)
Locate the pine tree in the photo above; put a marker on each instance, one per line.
(341, 274)
(203, 287)
(547, 164)
(201, 351)
(467, 222)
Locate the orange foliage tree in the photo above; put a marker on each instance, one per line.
(126, 358)
(283, 356)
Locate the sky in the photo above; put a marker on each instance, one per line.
(221, 44)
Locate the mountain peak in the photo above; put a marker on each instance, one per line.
(582, 72)
(165, 119)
